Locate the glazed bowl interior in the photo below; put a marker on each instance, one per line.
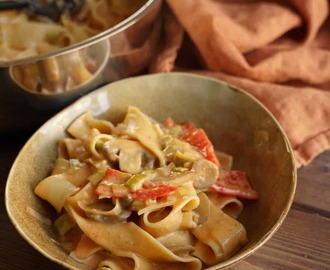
(235, 121)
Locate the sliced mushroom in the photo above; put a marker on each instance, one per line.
(207, 173)
(131, 156)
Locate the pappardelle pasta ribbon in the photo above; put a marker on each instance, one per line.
(144, 195)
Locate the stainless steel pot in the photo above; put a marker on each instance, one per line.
(122, 51)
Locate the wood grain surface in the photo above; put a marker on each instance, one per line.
(301, 243)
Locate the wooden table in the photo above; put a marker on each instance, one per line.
(302, 242)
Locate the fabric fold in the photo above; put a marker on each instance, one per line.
(279, 51)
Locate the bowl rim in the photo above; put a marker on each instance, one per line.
(232, 260)
(142, 11)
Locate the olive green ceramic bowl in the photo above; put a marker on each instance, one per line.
(235, 122)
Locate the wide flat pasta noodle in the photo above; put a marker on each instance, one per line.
(85, 248)
(73, 171)
(95, 139)
(81, 127)
(179, 242)
(22, 36)
(128, 241)
(69, 148)
(229, 204)
(112, 183)
(19, 33)
(55, 189)
(137, 125)
(219, 236)
(87, 201)
(173, 214)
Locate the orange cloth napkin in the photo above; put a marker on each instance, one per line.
(279, 51)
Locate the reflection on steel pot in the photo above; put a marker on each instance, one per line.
(56, 81)
(53, 80)
(68, 72)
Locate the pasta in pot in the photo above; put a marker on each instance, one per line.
(117, 186)
(22, 37)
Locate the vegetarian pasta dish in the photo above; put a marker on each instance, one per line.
(144, 195)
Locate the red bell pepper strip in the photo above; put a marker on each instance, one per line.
(234, 183)
(147, 191)
(197, 138)
(154, 192)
